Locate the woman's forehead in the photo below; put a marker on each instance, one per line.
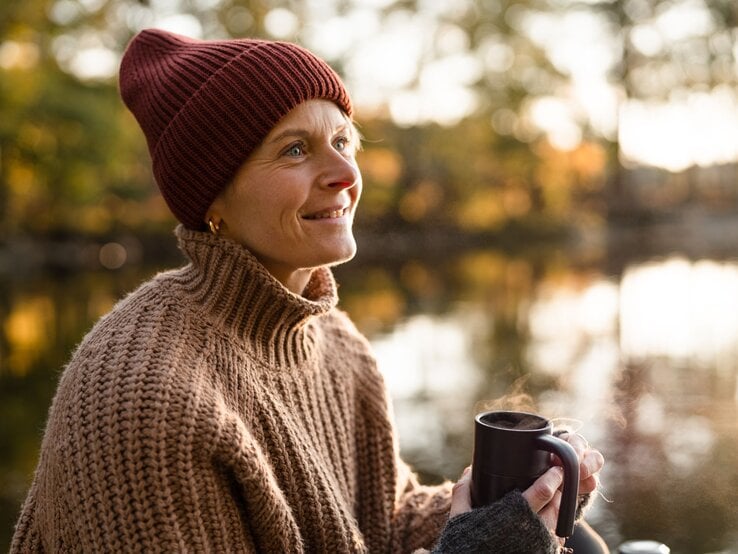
(311, 116)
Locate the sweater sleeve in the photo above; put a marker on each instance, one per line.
(134, 463)
(421, 511)
(413, 514)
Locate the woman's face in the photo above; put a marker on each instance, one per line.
(292, 202)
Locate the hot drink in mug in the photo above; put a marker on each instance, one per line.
(513, 449)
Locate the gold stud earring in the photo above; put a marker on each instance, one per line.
(214, 227)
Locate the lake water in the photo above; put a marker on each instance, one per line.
(642, 358)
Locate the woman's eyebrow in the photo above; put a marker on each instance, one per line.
(302, 133)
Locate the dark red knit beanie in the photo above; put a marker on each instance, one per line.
(205, 105)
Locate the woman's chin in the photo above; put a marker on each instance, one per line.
(342, 253)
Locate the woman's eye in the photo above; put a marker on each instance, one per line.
(341, 144)
(295, 150)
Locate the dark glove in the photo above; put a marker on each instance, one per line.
(507, 526)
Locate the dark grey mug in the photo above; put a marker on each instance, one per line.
(513, 449)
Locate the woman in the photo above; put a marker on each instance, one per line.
(228, 406)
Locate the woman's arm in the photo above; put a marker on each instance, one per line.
(148, 465)
(420, 511)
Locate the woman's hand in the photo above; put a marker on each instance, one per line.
(543, 496)
(590, 461)
(461, 494)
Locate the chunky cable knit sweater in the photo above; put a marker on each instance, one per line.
(214, 411)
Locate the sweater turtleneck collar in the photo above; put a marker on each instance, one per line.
(237, 293)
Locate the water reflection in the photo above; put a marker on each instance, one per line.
(432, 376)
(682, 310)
(644, 361)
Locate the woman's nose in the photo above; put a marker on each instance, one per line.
(339, 172)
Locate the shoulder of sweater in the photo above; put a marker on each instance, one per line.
(148, 336)
(162, 291)
(149, 306)
(338, 323)
(354, 346)
(343, 334)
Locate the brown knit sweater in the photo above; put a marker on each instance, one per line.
(214, 411)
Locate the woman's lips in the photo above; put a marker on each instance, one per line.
(331, 213)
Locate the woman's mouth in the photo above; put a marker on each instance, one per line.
(328, 214)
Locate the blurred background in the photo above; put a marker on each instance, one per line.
(550, 221)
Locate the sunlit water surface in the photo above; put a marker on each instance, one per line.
(643, 363)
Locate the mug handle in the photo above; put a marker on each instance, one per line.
(569, 495)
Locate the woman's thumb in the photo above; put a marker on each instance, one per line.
(461, 494)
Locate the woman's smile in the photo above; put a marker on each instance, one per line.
(334, 214)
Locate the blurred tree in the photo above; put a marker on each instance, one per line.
(668, 49)
(73, 161)
(484, 172)
(67, 158)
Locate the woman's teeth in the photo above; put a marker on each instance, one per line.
(331, 214)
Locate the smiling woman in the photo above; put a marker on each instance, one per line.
(292, 203)
(228, 405)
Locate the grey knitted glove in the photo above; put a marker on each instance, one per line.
(508, 526)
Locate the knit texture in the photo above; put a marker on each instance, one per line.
(215, 411)
(507, 526)
(204, 106)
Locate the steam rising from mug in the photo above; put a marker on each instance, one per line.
(511, 450)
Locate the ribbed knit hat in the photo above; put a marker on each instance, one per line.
(205, 105)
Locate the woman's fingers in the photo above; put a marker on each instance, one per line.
(461, 494)
(544, 496)
(588, 485)
(590, 461)
(577, 441)
(589, 467)
(550, 512)
(544, 489)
